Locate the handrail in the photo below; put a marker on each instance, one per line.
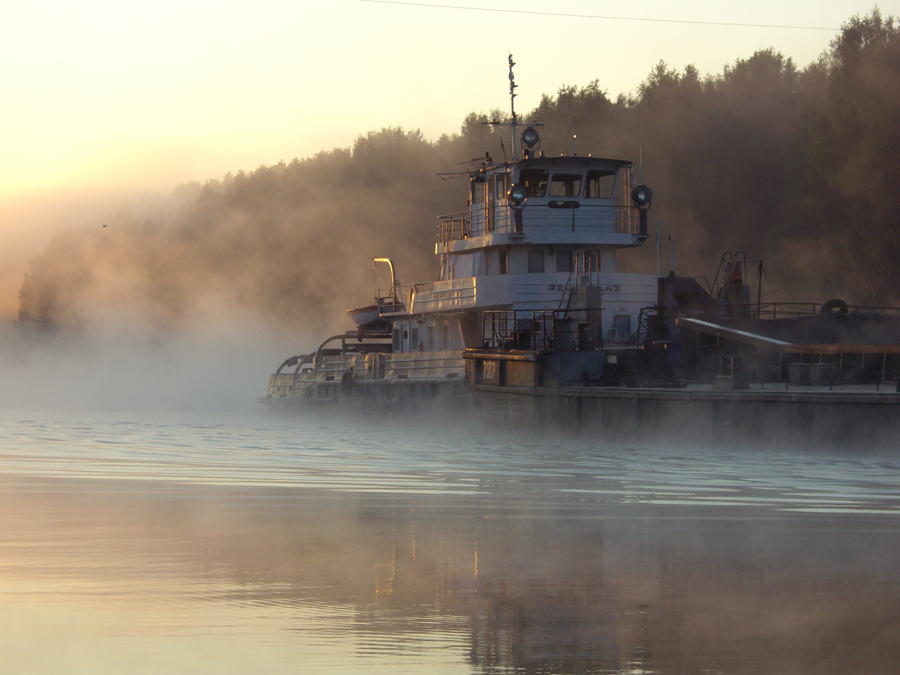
(535, 330)
(463, 225)
(791, 310)
(321, 347)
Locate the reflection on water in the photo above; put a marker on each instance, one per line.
(234, 544)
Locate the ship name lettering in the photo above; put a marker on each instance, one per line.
(612, 288)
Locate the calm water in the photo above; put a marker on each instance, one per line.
(188, 543)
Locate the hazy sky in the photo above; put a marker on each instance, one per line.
(155, 93)
(103, 96)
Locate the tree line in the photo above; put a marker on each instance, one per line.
(800, 167)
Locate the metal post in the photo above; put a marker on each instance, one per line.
(658, 249)
(512, 105)
(759, 291)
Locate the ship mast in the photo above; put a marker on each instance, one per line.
(512, 106)
(530, 138)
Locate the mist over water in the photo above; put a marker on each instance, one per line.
(155, 520)
(228, 542)
(125, 364)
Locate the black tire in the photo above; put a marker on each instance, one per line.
(835, 306)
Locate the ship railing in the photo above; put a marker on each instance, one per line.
(789, 310)
(597, 217)
(628, 220)
(792, 310)
(403, 295)
(424, 365)
(765, 311)
(390, 301)
(456, 226)
(535, 330)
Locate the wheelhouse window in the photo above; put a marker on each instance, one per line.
(535, 181)
(535, 262)
(600, 184)
(502, 187)
(478, 191)
(563, 261)
(565, 185)
(504, 261)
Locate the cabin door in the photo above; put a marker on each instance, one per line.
(404, 337)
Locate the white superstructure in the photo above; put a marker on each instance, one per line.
(530, 263)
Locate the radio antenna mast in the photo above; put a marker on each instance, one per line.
(512, 105)
(534, 139)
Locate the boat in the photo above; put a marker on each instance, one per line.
(372, 317)
(539, 238)
(531, 320)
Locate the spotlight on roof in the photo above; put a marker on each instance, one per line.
(530, 138)
(641, 195)
(517, 195)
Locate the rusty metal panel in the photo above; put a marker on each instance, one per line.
(520, 373)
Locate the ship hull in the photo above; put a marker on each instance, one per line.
(856, 419)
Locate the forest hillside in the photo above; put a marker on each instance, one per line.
(798, 166)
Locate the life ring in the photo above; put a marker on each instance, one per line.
(835, 306)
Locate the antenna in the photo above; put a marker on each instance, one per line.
(642, 163)
(512, 105)
(530, 138)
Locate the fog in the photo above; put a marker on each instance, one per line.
(765, 157)
(123, 364)
(148, 543)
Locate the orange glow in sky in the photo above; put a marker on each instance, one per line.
(119, 98)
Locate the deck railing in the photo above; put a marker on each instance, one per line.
(535, 330)
(780, 310)
(600, 218)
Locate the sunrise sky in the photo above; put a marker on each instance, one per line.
(103, 99)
